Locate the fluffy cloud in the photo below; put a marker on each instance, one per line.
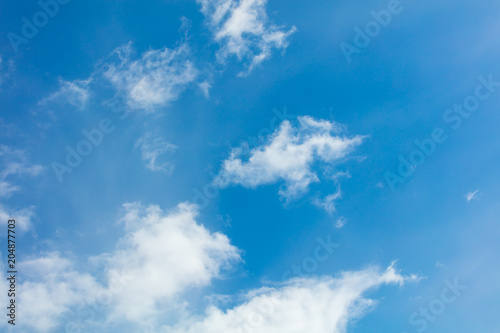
(161, 256)
(242, 29)
(152, 149)
(52, 287)
(164, 254)
(76, 93)
(319, 305)
(289, 156)
(157, 78)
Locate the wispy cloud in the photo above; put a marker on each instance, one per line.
(151, 151)
(472, 195)
(328, 202)
(243, 30)
(289, 156)
(13, 165)
(23, 217)
(323, 305)
(155, 79)
(76, 93)
(340, 222)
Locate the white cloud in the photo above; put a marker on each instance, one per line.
(76, 93)
(13, 164)
(472, 195)
(340, 222)
(22, 216)
(319, 305)
(328, 203)
(164, 254)
(242, 29)
(161, 256)
(289, 156)
(6, 189)
(51, 287)
(205, 88)
(152, 150)
(157, 78)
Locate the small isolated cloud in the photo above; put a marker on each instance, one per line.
(76, 93)
(289, 157)
(154, 80)
(205, 88)
(340, 222)
(472, 195)
(152, 150)
(439, 264)
(319, 305)
(328, 203)
(242, 29)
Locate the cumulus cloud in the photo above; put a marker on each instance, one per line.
(319, 305)
(165, 254)
(76, 93)
(154, 80)
(52, 287)
(151, 151)
(161, 255)
(242, 29)
(289, 157)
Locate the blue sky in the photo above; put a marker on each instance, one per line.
(247, 173)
